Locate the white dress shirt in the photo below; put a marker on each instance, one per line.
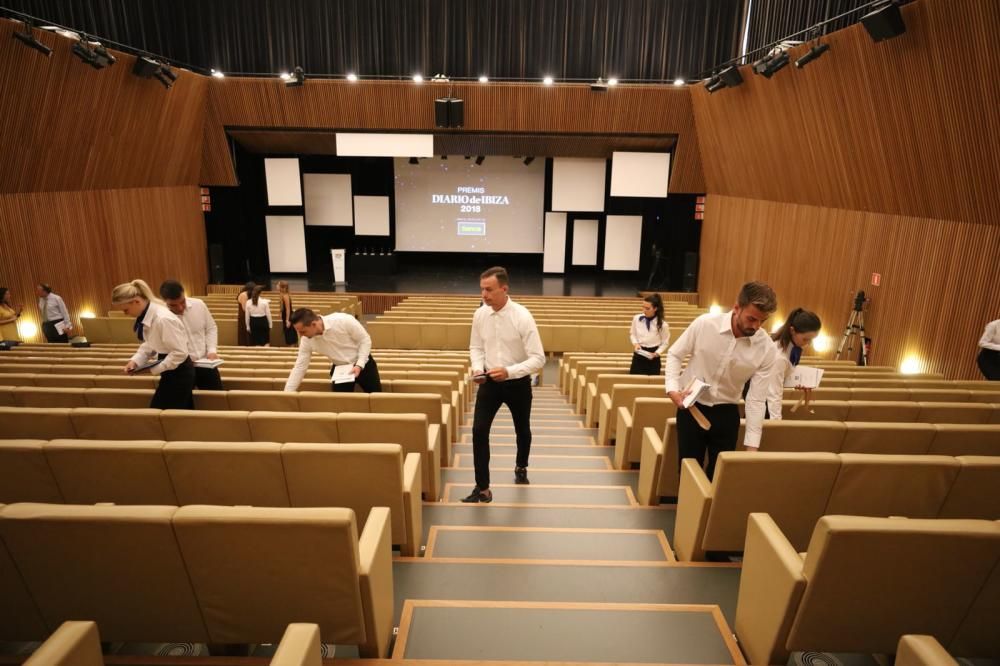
(649, 337)
(991, 336)
(262, 309)
(783, 367)
(344, 341)
(203, 334)
(162, 333)
(53, 308)
(725, 362)
(506, 338)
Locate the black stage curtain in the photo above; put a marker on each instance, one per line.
(629, 39)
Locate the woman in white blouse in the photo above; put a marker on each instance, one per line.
(649, 335)
(791, 339)
(164, 337)
(258, 319)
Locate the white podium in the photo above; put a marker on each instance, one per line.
(339, 268)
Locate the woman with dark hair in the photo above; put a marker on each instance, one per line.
(291, 337)
(242, 336)
(650, 336)
(258, 319)
(8, 316)
(795, 334)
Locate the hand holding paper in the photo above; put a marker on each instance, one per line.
(342, 374)
(803, 377)
(694, 391)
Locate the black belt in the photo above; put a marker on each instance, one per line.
(649, 349)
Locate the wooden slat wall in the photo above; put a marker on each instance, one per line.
(939, 278)
(84, 243)
(494, 107)
(67, 126)
(908, 126)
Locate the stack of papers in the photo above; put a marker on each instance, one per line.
(803, 376)
(644, 353)
(697, 388)
(208, 363)
(342, 374)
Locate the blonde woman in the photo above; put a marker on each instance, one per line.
(258, 319)
(162, 335)
(291, 337)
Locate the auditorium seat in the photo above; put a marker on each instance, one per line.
(411, 431)
(244, 473)
(948, 412)
(7, 396)
(359, 477)
(419, 403)
(293, 427)
(906, 438)
(883, 411)
(19, 616)
(645, 413)
(304, 563)
(819, 410)
(25, 475)
(207, 426)
(802, 436)
(918, 650)
(112, 423)
(974, 494)
(72, 644)
(38, 396)
(119, 566)
(312, 401)
(211, 400)
(952, 439)
(892, 485)
(36, 423)
(120, 398)
(272, 401)
(93, 471)
(65, 380)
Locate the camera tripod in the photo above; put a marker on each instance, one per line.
(855, 327)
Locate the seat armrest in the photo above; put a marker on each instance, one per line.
(650, 466)
(300, 645)
(375, 555)
(412, 505)
(74, 642)
(604, 420)
(917, 650)
(590, 407)
(434, 461)
(623, 432)
(446, 435)
(771, 588)
(694, 499)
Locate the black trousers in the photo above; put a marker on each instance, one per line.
(50, 332)
(260, 332)
(207, 379)
(516, 394)
(693, 442)
(989, 363)
(368, 380)
(175, 388)
(645, 366)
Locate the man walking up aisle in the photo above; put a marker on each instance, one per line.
(505, 350)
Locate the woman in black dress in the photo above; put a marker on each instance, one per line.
(291, 337)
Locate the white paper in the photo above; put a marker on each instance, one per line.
(696, 389)
(644, 353)
(208, 363)
(342, 374)
(60, 327)
(804, 376)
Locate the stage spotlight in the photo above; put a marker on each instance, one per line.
(811, 55)
(414, 160)
(296, 79)
(217, 74)
(165, 75)
(714, 84)
(284, 76)
(769, 65)
(93, 53)
(28, 39)
(480, 159)
(547, 80)
(528, 160)
(484, 79)
(352, 77)
(885, 22)
(678, 81)
(612, 81)
(418, 78)
(731, 76)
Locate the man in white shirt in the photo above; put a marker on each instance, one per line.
(505, 350)
(725, 350)
(342, 339)
(203, 334)
(54, 311)
(989, 354)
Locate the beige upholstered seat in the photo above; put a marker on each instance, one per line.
(206, 426)
(244, 473)
(293, 427)
(953, 439)
(211, 400)
(119, 398)
(410, 431)
(72, 644)
(645, 413)
(953, 412)
(25, 475)
(428, 404)
(273, 401)
(117, 565)
(976, 491)
(19, 617)
(890, 438)
(113, 423)
(882, 411)
(314, 401)
(120, 472)
(802, 436)
(38, 396)
(890, 485)
(36, 423)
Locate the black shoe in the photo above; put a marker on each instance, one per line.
(521, 476)
(477, 495)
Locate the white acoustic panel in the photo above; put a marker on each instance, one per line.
(622, 242)
(371, 216)
(328, 199)
(585, 242)
(286, 243)
(640, 174)
(283, 186)
(360, 144)
(554, 259)
(578, 184)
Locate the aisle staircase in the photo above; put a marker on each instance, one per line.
(566, 569)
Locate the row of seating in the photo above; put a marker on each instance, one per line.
(865, 582)
(797, 489)
(659, 468)
(82, 471)
(78, 643)
(411, 431)
(427, 404)
(201, 574)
